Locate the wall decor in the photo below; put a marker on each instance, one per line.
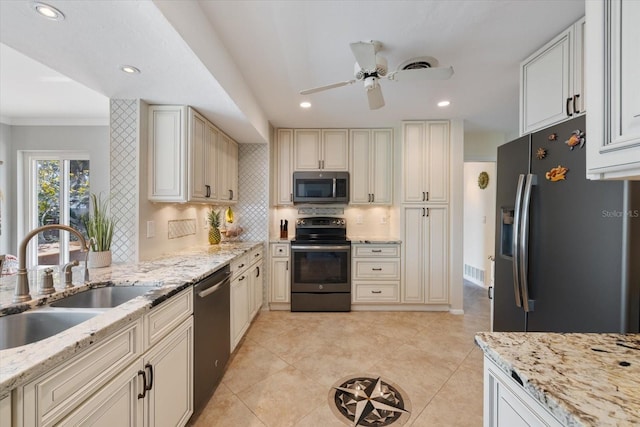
(541, 153)
(553, 137)
(483, 180)
(557, 174)
(577, 137)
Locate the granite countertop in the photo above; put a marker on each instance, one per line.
(377, 240)
(170, 273)
(583, 379)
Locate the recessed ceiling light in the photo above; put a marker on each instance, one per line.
(48, 12)
(130, 69)
(305, 104)
(443, 103)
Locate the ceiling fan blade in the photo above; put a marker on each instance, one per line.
(326, 87)
(365, 53)
(438, 73)
(376, 100)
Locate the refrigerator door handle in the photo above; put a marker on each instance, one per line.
(524, 242)
(515, 245)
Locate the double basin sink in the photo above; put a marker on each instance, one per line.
(35, 325)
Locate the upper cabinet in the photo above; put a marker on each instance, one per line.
(189, 159)
(371, 166)
(613, 61)
(425, 159)
(321, 149)
(283, 178)
(552, 82)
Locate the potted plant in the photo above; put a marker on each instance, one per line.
(214, 227)
(99, 226)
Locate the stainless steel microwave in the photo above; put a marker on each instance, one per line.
(321, 187)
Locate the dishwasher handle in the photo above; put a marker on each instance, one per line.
(212, 289)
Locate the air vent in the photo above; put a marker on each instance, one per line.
(418, 63)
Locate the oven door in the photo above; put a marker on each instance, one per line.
(319, 267)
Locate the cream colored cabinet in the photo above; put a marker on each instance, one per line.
(425, 278)
(5, 410)
(246, 292)
(375, 270)
(256, 274)
(425, 162)
(280, 277)
(283, 177)
(140, 374)
(227, 169)
(613, 61)
(321, 149)
(552, 81)
(371, 166)
(507, 404)
(189, 159)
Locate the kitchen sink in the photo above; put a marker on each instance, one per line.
(35, 325)
(107, 297)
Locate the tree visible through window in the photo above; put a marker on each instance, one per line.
(62, 187)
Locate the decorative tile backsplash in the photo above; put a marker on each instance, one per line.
(124, 177)
(182, 227)
(252, 210)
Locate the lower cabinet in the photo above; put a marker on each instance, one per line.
(280, 278)
(507, 404)
(121, 381)
(246, 293)
(375, 273)
(239, 309)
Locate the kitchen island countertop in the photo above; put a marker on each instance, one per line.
(170, 274)
(582, 379)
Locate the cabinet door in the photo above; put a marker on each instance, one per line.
(579, 83)
(335, 150)
(382, 166)
(255, 293)
(413, 147)
(211, 169)
(280, 280)
(227, 169)
(360, 167)
(306, 149)
(169, 370)
(199, 146)
(233, 158)
(415, 262)
(437, 163)
(239, 308)
(545, 84)
(167, 154)
(116, 404)
(284, 167)
(437, 236)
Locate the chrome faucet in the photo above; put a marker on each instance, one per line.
(22, 286)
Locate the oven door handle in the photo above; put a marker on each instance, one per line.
(320, 247)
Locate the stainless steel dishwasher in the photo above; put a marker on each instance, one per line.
(212, 342)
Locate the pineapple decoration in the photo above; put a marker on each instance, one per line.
(214, 223)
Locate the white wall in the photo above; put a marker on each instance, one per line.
(482, 146)
(93, 139)
(479, 222)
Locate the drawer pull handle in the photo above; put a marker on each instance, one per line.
(377, 251)
(376, 292)
(241, 278)
(258, 254)
(241, 265)
(377, 269)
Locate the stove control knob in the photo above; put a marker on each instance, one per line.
(342, 221)
(301, 222)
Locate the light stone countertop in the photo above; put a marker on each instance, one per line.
(171, 274)
(375, 240)
(583, 379)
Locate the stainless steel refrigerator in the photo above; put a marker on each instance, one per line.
(567, 251)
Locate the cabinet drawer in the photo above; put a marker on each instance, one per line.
(376, 251)
(376, 269)
(48, 398)
(239, 265)
(163, 319)
(255, 255)
(378, 292)
(280, 249)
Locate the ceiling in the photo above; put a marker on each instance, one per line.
(243, 63)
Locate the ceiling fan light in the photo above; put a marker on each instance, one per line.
(370, 83)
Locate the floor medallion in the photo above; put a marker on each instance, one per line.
(367, 400)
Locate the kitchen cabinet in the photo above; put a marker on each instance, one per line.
(375, 273)
(552, 81)
(246, 277)
(371, 166)
(104, 384)
(425, 277)
(280, 277)
(613, 61)
(189, 159)
(5, 410)
(284, 168)
(507, 404)
(321, 149)
(425, 162)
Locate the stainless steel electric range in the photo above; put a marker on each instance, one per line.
(321, 260)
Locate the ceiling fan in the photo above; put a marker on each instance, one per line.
(371, 67)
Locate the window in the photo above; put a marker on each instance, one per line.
(57, 185)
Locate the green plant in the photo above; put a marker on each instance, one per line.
(99, 224)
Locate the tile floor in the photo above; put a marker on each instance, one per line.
(283, 370)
